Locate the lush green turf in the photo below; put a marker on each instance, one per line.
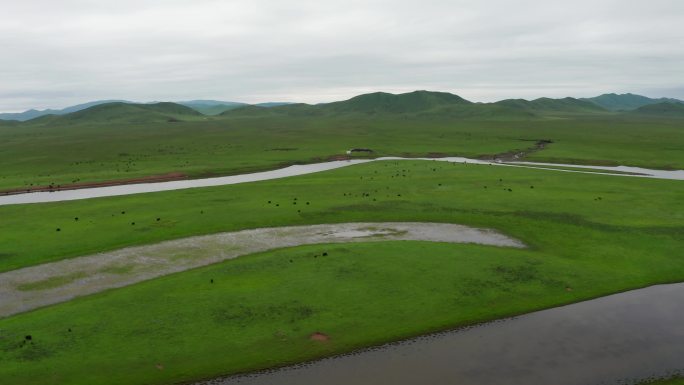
(125, 144)
(671, 381)
(648, 214)
(261, 309)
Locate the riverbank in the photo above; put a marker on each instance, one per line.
(599, 341)
(65, 193)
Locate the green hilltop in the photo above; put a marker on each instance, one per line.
(549, 105)
(425, 104)
(120, 112)
(416, 104)
(625, 102)
(205, 107)
(381, 102)
(33, 113)
(665, 109)
(115, 141)
(211, 107)
(377, 103)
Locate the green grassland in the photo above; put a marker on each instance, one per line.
(121, 141)
(671, 381)
(380, 191)
(260, 310)
(588, 235)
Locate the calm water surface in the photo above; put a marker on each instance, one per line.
(617, 339)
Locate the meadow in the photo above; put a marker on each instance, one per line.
(587, 236)
(65, 152)
(671, 381)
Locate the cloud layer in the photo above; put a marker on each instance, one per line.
(57, 53)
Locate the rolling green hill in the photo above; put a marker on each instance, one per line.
(377, 103)
(205, 107)
(666, 109)
(381, 102)
(119, 112)
(484, 111)
(33, 113)
(294, 110)
(119, 141)
(625, 102)
(415, 104)
(217, 107)
(211, 107)
(8, 123)
(550, 106)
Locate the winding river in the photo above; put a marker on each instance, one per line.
(23, 290)
(99, 192)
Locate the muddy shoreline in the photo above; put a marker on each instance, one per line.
(172, 176)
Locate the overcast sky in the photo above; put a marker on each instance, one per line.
(59, 53)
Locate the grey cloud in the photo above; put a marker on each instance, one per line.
(60, 53)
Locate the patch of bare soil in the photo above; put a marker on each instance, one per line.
(318, 336)
(338, 157)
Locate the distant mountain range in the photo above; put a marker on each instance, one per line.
(626, 102)
(441, 104)
(123, 112)
(541, 105)
(206, 107)
(661, 109)
(417, 103)
(32, 114)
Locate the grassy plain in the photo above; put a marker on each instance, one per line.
(588, 235)
(72, 151)
(671, 381)
(382, 191)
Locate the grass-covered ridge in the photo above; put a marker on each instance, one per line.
(121, 113)
(119, 141)
(665, 109)
(626, 102)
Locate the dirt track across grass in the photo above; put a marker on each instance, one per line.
(33, 287)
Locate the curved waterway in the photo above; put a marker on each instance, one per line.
(618, 339)
(99, 192)
(24, 289)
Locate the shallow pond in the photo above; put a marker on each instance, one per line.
(618, 339)
(35, 286)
